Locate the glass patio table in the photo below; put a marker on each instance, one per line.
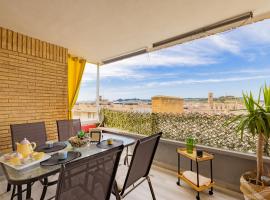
(37, 172)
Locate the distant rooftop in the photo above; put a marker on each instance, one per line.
(168, 97)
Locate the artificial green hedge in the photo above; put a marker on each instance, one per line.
(208, 129)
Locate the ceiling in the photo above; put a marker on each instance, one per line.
(103, 29)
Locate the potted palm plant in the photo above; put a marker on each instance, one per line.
(256, 122)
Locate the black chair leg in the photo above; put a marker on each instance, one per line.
(13, 192)
(151, 187)
(116, 192)
(126, 162)
(28, 191)
(45, 186)
(20, 192)
(8, 187)
(45, 182)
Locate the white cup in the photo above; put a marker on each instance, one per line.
(49, 144)
(62, 155)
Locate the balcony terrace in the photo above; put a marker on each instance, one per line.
(44, 46)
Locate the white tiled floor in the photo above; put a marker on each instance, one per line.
(164, 183)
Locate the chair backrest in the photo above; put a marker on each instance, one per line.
(90, 178)
(142, 159)
(68, 128)
(34, 132)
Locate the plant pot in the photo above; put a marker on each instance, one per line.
(252, 191)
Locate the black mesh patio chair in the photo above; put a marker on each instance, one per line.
(89, 178)
(65, 129)
(130, 177)
(68, 128)
(34, 132)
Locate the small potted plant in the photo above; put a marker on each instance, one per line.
(256, 122)
(190, 144)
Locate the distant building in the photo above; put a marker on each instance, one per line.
(166, 104)
(85, 111)
(103, 101)
(210, 99)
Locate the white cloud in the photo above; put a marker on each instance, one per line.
(194, 81)
(237, 71)
(224, 43)
(117, 71)
(257, 33)
(133, 67)
(165, 59)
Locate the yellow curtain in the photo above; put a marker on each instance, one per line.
(75, 71)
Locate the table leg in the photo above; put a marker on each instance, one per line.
(19, 195)
(198, 183)
(28, 191)
(190, 165)
(8, 187)
(178, 164)
(211, 173)
(45, 186)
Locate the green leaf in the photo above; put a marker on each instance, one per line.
(259, 96)
(266, 92)
(257, 119)
(246, 101)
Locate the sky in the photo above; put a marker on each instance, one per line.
(225, 64)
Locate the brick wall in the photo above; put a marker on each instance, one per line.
(165, 104)
(33, 84)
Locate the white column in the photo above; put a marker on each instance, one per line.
(97, 92)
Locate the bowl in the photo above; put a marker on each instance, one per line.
(78, 142)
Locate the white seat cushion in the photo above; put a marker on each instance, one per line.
(121, 176)
(192, 177)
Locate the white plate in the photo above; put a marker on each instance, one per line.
(23, 166)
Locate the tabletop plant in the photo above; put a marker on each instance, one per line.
(257, 122)
(81, 134)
